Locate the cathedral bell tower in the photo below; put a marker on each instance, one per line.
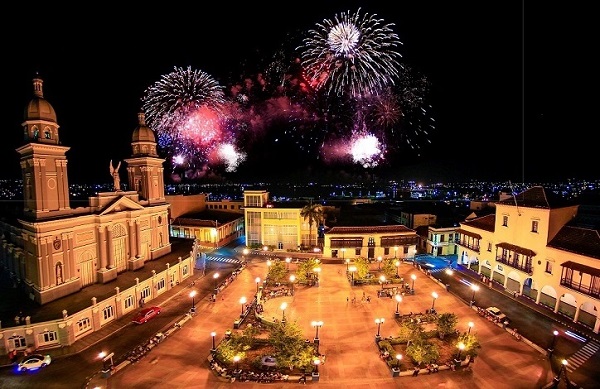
(145, 168)
(43, 159)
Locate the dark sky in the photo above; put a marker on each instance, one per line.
(507, 84)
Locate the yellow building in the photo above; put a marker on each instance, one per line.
(531, 247)
(53, 250)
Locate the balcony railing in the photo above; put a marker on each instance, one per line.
(526, 267)
(471, 246)
(585, 289)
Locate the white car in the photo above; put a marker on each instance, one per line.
(497, 314)
(34, 362)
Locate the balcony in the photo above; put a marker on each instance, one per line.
(577, 286)
(526, 267)
(469, 245)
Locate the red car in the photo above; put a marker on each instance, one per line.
(146, 314)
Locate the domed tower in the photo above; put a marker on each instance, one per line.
(43, 159)
(145, 168)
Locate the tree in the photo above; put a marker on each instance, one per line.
(277, 272)
(306, 268)
(288, 341)
(446, 324)
(389, 268)
(314, 214)
(421, 351)
(362, 267)
(471, 343)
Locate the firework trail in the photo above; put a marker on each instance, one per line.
(353, 53)
(184, 108)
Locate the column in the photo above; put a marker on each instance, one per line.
(557, 304)
(111, 250)
(132, 239)
(576, 315)
(102, 247)
(138, 238)
(71, 257)
(47, 266)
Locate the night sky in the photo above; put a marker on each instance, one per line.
(506, 85)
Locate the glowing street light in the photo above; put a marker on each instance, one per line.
(475, 289)
(242, 302)
(344, 255)
(316, 362)
(257, 280)
(379, 321)
(398, 298)
(471, 324)
(287, 263)
(551, 349)
(397, 269)
(236, 360)
(382, 280)
(395, 251)
(435, 296)
(352, 271)
(461, 347)
(317, 325)
(379, 259)
(215, 277)
(283, 306)
(214, 348)
(193, 295)
(398, 358)
(292, 280)
(347, 263)
(413, 277)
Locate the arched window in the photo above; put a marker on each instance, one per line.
(47, 134)
(59, 273)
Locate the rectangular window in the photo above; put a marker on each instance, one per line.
(549, 267)
(505, 221)
(48, 337)
(83, 325)
(534, 226)
(357, 251)
(185, 270)
(145, 292)
(108, 312)
(490, 246)
(160, 284)
(128, 302)
(386, 251)
(17, 341)
(405, 249)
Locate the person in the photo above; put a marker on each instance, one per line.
(115, 175)
(416, 371)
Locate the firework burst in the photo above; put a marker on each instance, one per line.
(353, 53)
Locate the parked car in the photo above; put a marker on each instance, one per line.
(146, 314)
(34, 362)
(497, 314)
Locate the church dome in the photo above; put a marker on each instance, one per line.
(143, 133)
(39, 108)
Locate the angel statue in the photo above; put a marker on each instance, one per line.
(115, 175)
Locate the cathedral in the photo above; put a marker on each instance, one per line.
(52, 250)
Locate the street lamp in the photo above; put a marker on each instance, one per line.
(283, 306)
(105, 358)
(461, 347)
(317, 325)
(352, 270)
(395, 251)
(242, 302)
(551, 349)
(193, 295)
(316, 362)
(347, 263)
(317, 270)
(413, 277)
(475, 289)
(257, 280)
(379, 259)
(398, 358)
(435, 296)
(398, 298)
(397, 269)
(379, 321)
(471, 324)
(236, 360)
(292, 280)
(213, 349)
(216, 276)
(382, 280)
(287, 263)
(449, 272)
(344, 255)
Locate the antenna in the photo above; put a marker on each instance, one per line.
(514, 197)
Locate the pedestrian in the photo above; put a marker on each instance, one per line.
(347, 299)
(416, 371)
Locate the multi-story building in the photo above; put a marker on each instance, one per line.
(532, 246)
(51, 249)
(442, 240)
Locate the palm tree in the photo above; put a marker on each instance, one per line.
(314, 213)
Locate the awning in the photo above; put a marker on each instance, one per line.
(468, 233)
(516, 249)
(582, 268)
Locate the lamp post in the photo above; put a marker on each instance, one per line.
(397, 269)
(242, 302)
(398, 358)
(461, 347)
(413, 277)
(317, 270)
(382, 280)
(395, 251)
(236, 360)
(268, 268)
(379, 259)
(287, 263)
(347, 263)
(435, 296)
(475, 289)
(283, 306)
(551, 349)
(257, 280)
(316, 362)
(344, 256)
(398, 298)
(352, 271)
(292, 280)
(193, 295)
(471, 324)
(317, 325)
(106, 358)
(379, 321)
(214, 348)
(215, 277)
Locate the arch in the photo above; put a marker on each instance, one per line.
(58, 273)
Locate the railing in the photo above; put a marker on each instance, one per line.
(464, 243)
(585, 289)
(527, 268)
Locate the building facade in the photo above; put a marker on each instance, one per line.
(531, 247)
(53, 250)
